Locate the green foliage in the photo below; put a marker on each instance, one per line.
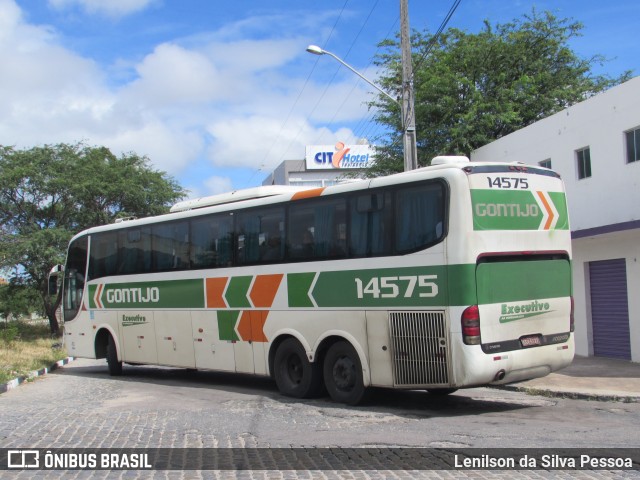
(17, 301)
(471, 89)
(25, 347)
(50, 193)
(8, 333)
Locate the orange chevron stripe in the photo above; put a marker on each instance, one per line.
(97, 295)
(215, 290)
(264, 290)
(251, 325)
(244, 326)
(313, 192)
(549, 210)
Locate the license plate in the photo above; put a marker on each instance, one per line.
(530, 341)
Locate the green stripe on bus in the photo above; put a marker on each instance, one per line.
(528, 280)
(237, 291)
(559, 199)
(227, 325)
(461, 280)
(299, 285)
(429, 286)
(516, 210)
(157, 294)
(391, 287)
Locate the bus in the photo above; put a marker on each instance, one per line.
(450, 276)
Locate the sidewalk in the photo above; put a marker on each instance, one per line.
(590, 378)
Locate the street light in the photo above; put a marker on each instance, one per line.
(319, 51)
(409, 161)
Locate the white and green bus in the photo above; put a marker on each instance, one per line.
(450, 276)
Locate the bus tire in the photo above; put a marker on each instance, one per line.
(115, 366)
(343, 374)
(296, 376)
(441, 391)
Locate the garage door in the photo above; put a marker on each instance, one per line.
(609, 309)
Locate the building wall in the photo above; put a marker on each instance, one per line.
(612, 194)
(295, 173)
(604, 209)
(605, 247)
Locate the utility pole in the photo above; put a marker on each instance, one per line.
(408, 104)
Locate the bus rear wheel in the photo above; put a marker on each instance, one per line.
(343, 374)
(115, 366)
(295, 376)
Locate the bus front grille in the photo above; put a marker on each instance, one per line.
(419, 349)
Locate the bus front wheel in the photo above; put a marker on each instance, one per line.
(343, 374)
(295, 376)
(115, 366)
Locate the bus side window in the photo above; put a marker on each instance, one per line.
(170, 246)
(134, 250)
(74, 278)
(317, 229)
(223, 238)
(203, 248)
(371, 220)
(211, 241)
(420, 216)
(103, 259)
(259, 235)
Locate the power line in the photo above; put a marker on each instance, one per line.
(295, 103)
(435, 36)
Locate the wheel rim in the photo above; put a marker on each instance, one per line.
(294, 369)
(344, 374)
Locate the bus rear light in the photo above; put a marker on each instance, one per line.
(572, 322)
(470, 320)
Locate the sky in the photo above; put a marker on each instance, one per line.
(217, 94)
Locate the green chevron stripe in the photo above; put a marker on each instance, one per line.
(227, 320)
(299, 285)
(559, 199)
(237, 291)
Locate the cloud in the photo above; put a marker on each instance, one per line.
(216, 185)
(110, 8)
(172, 74)
(168, 148)
(222, 97)
(263, 142)
(48, 91)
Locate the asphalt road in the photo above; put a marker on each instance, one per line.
(81, 406)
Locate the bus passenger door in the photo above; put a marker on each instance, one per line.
(138, 336)
(249, 350)
(212, 349)
(243, 353)
(173, 337)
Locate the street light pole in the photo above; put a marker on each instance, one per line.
(406, 108)
(319, 51)
(408, 104)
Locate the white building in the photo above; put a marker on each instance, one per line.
(595, 146)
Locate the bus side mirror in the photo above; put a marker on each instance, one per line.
(53, 285)
(53, 279)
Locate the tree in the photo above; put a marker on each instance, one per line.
(471, 89)
(18, 301)
(50, 193)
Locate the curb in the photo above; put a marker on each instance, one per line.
(16, 382)
(598, 397)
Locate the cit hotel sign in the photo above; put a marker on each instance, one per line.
(339, 156)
